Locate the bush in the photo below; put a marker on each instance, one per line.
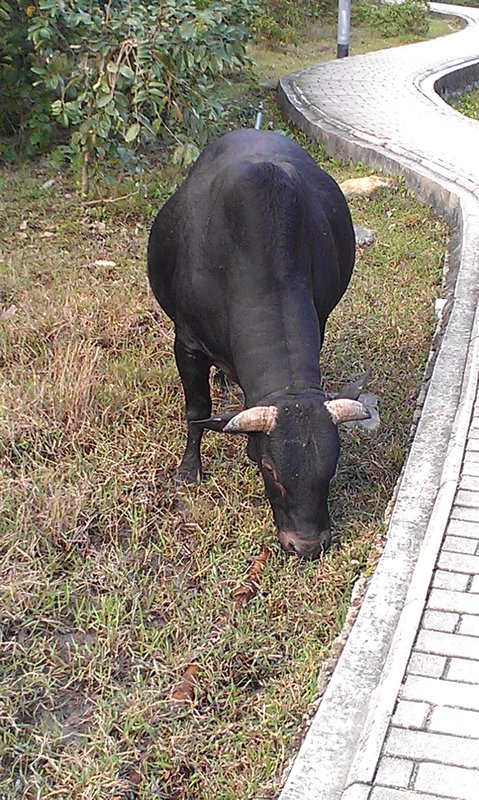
(118, 75)
(284, 20)
(393, 19)
(25, 121)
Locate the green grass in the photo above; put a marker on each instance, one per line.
(115, 578)
(319, 44)
(467, 103)
(472, 3)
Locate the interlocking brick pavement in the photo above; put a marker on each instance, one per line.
(400, 717)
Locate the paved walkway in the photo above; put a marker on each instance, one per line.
(400, 717)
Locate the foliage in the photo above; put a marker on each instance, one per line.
(393, 19)
(473, 3)
(119, 75)
(25, 111)
(285, 20)
(467, 103)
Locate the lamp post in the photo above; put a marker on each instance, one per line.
(344, 18)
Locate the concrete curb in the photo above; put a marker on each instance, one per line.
(340, 753)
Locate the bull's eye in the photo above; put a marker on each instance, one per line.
(268, 467)
(271, 479)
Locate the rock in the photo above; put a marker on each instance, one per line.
(364, 236)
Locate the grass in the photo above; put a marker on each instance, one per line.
(467, 103)
(319, 44)
(114, 578)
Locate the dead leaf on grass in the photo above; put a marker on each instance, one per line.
(9, 312)
(364, 186)
(250, 587)
(184, 692)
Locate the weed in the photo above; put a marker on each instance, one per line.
(467, 103)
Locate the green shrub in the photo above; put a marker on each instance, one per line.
(467, 103)
(25, 122)
(119, 75)
(285, 20)
(393, 19)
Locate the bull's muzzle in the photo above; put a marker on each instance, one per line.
(302, 546)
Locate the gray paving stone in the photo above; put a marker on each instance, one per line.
(409, 714)
(440, 620)
(425, 745)
(470, 468)
(456, 721)
(463, 669)
(457, 581)
(469, 625)
(461, 602)
(474, 588)
(460, 544)
(467, 499)
(461, 512)
(447, 644)
(469, 483)
(464, 528)
(394, 772)
(457, 562)
(380, 793)
(426, 664)
(441, 692)
(453, 781)
(471, 455)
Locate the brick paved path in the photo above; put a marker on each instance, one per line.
(432, 745)
(400, 717)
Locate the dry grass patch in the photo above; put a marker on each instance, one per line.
(115, 579)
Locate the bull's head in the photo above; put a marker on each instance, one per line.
(295, 443)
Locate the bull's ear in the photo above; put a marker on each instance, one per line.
(352, 390)
(217, 423)
(345, 410)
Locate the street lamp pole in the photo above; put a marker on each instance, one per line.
(344, 18)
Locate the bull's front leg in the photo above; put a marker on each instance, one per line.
(194, 368)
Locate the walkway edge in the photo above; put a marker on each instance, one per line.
(341, 750)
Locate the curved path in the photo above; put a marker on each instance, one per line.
(400, 717)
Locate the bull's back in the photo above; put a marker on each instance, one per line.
(250, 196)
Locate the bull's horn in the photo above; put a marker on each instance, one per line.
(344, 410)
(259, 419)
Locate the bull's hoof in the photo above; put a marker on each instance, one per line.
(186, 473)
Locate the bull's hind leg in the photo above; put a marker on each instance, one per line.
(194, 368)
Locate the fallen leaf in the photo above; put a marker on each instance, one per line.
(250, 587)
(48, 184)
(364, 186)
(184, 692)
(103, 263)
(132, 775)
(47, 234)
(23, 225)
(9, 312)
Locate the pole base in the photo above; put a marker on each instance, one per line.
(342, 51)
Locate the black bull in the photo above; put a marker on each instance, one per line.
(248, 258)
